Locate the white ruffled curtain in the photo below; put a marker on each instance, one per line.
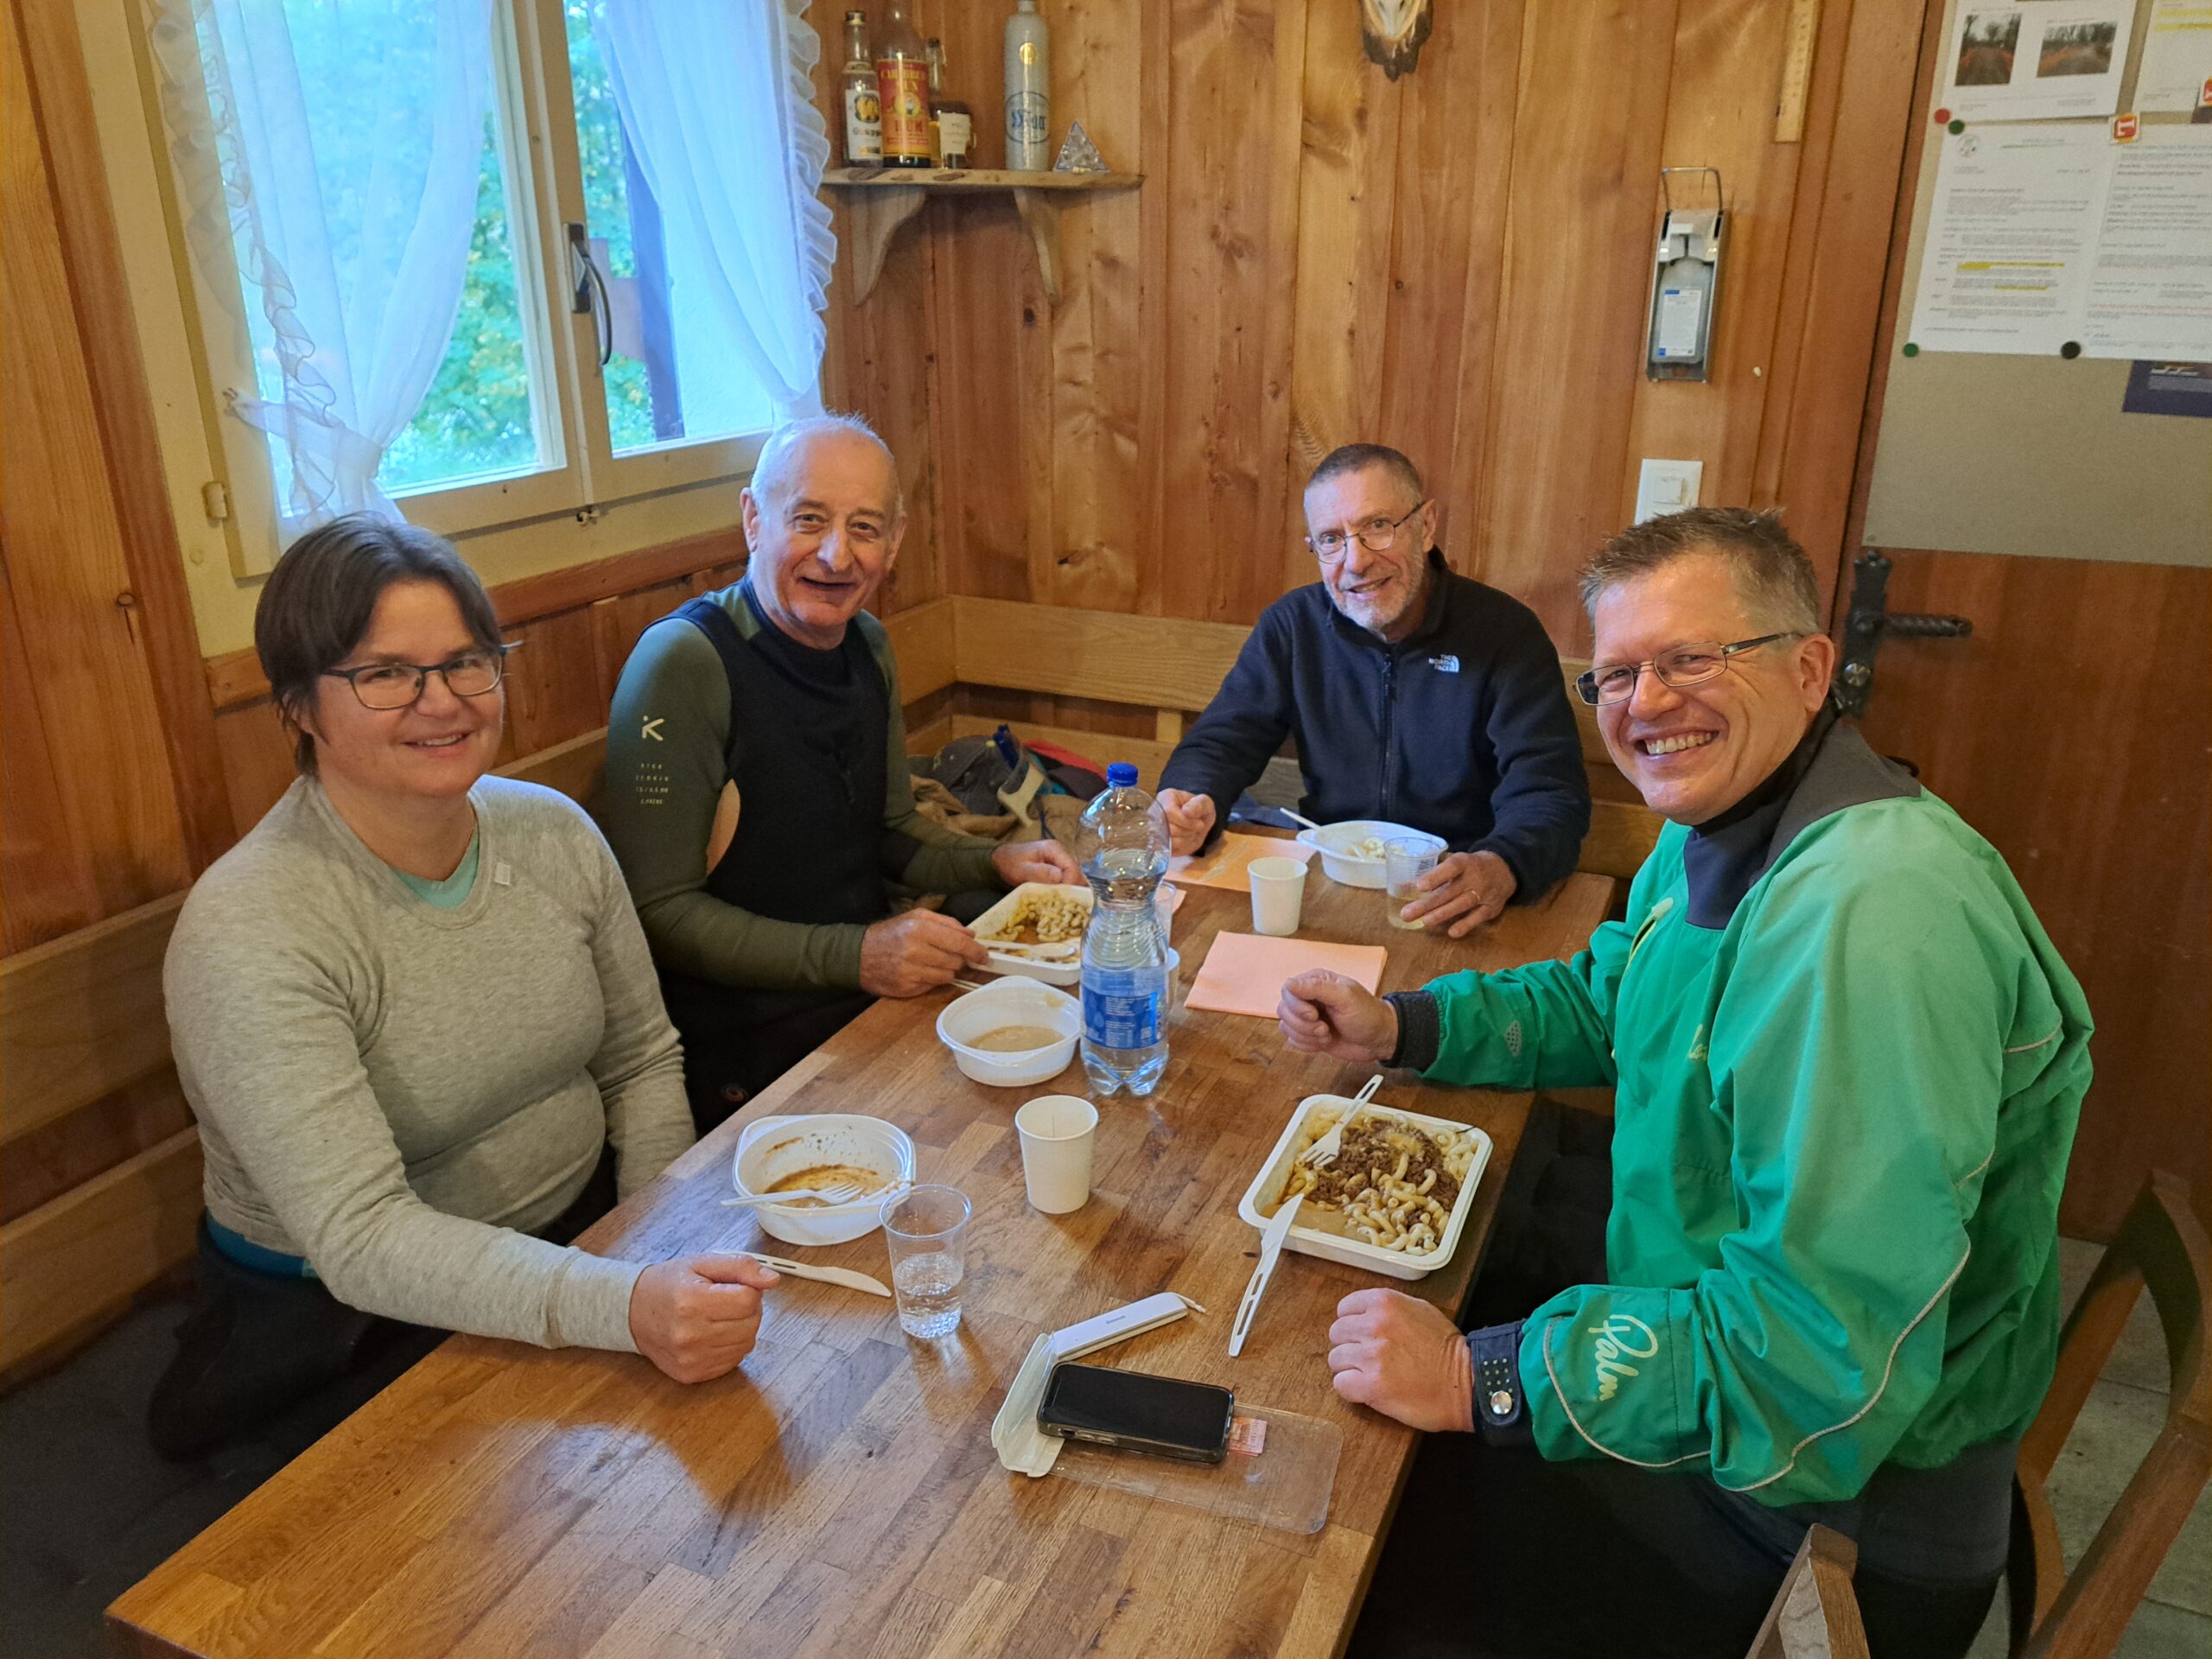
(717, 102)
(354, 253)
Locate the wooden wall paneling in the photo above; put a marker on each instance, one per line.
(617, 624)
(1235, 76)
(1346, 308)
(878, 365)
(1576, 265)
(91, 686)
(985, 298)
(1720, 114)
(1832, 374)
(552, 685)
(1488, 172)
(162, 630)
(1454, 171)
(256, 758)
(44, 873)
(1097, 364)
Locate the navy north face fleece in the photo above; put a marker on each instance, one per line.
(1462, 729)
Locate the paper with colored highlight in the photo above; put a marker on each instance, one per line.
(1230, 859)
(1244, 972)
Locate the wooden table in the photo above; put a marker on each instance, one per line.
(839, 1493)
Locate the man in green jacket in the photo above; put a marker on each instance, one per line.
(757, 794)
(1847, 1066)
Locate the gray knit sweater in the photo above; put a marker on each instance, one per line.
(399, 1092)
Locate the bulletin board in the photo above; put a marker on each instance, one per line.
(2033, 454)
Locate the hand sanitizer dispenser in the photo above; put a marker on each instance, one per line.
(1685, 284)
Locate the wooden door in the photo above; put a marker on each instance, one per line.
(113, 794)
(2071, 729)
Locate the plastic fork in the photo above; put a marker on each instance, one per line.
(844, 1192)
(1324, 1151)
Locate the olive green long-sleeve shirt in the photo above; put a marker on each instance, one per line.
(667, 737)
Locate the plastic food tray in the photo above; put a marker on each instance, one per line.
(1268, 1186)
(1051, 973)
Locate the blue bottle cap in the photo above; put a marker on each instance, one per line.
(1120, 775)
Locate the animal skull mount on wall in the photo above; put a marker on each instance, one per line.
(1392, 32)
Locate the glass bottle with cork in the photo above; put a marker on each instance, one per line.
(952, 124)
(902, 81)
(863, 103)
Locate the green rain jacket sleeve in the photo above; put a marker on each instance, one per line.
(667, 741)
(1859, 1059)
(1549, 1025)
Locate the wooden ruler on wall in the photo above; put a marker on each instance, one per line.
(1796, 70)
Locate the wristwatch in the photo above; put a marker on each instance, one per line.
(1501, 1413)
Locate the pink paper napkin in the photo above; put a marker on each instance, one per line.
(1244, 972)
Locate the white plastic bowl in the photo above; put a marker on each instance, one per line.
(776, 1148)
(1341, 866)
(1011, 1001)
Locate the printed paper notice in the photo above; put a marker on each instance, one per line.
(2004, 264)
(2177, 56)
(2034, 59)
(2150, 287)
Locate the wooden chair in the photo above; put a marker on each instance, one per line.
(1814, 1615)
(2055, 1616)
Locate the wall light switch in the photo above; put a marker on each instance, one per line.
(1667, 486)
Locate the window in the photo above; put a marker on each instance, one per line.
(597, 352)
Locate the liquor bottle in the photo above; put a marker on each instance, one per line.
(1028, 90)
(902, 80)
(952, 124)
(863, 104)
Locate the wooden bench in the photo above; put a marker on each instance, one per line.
(81, 1019)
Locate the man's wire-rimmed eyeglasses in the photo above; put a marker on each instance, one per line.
(1684, 665)
(386, 686)
(1376, 534)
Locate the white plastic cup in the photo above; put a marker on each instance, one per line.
(1057, 1132)
(1278, 890)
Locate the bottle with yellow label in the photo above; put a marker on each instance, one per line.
(1028, 90)
(863, 107)
(902, 81)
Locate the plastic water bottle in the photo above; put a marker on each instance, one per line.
(1122, 847)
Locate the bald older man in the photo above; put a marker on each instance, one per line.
(756, 793)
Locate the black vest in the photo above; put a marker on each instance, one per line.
(808, 732)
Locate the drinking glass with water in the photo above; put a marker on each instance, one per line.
(926, 1230)
(1122, 844)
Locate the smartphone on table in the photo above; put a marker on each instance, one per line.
(1162, 1415)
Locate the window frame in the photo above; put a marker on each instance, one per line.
(578, 471)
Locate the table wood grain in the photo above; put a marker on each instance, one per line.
(839, 1493)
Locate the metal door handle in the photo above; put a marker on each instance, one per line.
(1868, 620)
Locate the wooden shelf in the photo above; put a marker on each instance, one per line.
(883, 199)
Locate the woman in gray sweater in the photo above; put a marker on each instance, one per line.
(416, 1020)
